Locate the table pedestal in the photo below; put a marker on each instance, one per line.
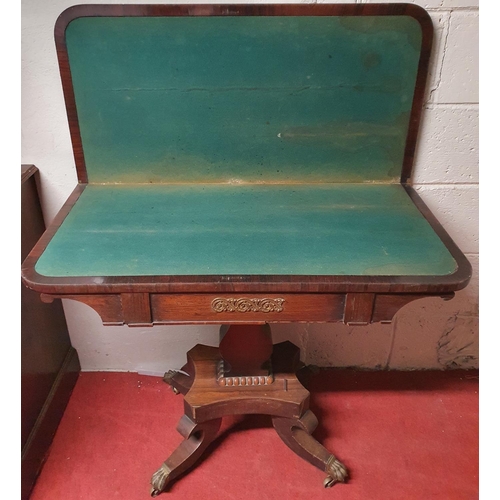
(246, 375)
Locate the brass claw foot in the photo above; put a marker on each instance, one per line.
(337, 473)
(296, 433)
(159, 480)
(197, 437)
(168, 378)
(178, 380)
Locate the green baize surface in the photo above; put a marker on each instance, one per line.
(239, 145)
(227, 229)
(252, 99)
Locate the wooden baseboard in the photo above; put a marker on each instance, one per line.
(36, 448)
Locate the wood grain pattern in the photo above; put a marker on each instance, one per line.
(198, 308)
(109, 307)
(197, 437)
(246, 351)
(136, 309)
(173, 309)
(358, 308)
(297, 435)
(286, 399)
(206, 400)
(418, 97)
(386, 306)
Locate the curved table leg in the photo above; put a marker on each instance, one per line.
(196, 439)
(296, 434)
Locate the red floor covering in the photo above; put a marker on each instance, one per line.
(403, 435)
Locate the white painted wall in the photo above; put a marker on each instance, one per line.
(429, 333)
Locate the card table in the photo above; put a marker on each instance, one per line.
(244, 165)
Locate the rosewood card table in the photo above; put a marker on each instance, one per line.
(244, 165)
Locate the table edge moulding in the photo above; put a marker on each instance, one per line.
(246, 374)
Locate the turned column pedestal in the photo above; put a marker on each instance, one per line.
(245, 375)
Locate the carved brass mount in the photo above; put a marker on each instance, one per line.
(244, 305)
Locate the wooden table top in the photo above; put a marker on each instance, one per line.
(244, 164)
(244, 148)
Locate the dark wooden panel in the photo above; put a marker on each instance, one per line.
(238, 308)
(40, 438)
(32, 224)
(49, 365)
(142, 309)
(109, 307)
(358, 308)
(386, 306)
(136, 309)
(44, 335)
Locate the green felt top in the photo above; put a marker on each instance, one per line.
(343, 229)
(252, 98)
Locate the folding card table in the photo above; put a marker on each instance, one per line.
(244, 165)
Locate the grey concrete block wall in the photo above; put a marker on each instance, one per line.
(429, 333)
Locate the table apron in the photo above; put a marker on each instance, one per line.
(148, 309)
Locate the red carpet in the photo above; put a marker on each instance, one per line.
(403, 435)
